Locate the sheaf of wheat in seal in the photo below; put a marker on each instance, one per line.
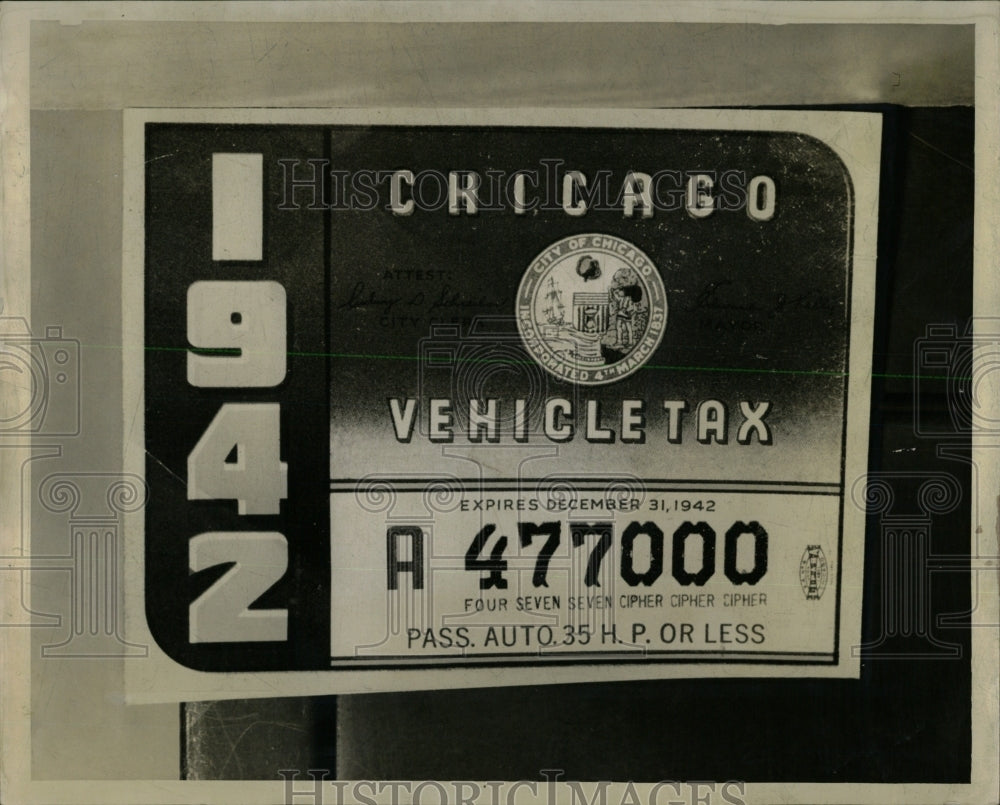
(591, 309)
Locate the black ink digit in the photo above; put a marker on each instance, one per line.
(685, 530)
(526, 532)
(494, 566)
(578, 533)
(759, 552)
(655, 569)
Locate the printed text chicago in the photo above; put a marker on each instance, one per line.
(315, 184)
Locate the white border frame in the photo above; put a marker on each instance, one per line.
(16, 782)
(855, 137)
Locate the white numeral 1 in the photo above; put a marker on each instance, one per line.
(246, 316)
(257, 478)
(221, 614)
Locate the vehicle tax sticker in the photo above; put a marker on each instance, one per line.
(456, 398)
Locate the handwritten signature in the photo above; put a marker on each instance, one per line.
(362, 297)
(727, 295)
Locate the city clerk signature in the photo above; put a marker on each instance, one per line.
(362, 296)
(727, 295)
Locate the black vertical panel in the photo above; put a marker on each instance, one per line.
(178, 253)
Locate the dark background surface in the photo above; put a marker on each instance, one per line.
(907, 719)
(765, 299)
(795, 261)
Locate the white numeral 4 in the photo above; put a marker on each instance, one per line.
(257, 477)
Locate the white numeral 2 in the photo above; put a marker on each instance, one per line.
(221, 614)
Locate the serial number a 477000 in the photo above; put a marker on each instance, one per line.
(744, 552)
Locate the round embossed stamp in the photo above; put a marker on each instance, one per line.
(591, 309)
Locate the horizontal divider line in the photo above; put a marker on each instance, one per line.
(713, 658)
(571, 480)
(602, 654)
(657, 490)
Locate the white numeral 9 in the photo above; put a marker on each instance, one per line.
(247, 316)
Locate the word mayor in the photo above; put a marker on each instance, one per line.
(713, 421)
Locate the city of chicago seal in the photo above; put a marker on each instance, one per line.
(591, 308)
